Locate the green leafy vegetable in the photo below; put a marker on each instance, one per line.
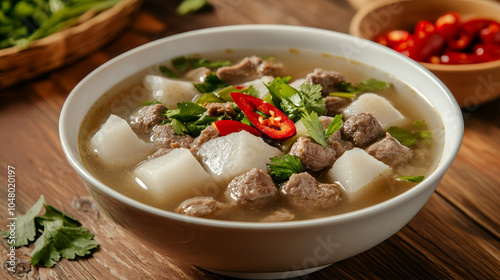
(61, 235)
(413, 179)
(183, 63)
(189, 118)
(211, 83)
(306, 104)
(282, 168)
(190, 6)
(371, 84)
(167, 72)
(24, 21)
(410, 138)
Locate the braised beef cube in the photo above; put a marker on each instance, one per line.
(252, 190)
(279, 215)
(335, 104)
(327, 79)
(270, 68)
(197, 75)
(244, 71)
(204, 207)
(304, 193)
(143, 120)
(206, 135)
(164, 136)
(340, 146)
(390, 151)
(362, 129)
(220, 109)
(313, 156)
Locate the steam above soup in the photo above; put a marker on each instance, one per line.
(259, 138)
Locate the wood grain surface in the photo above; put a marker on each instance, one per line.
(455, 236)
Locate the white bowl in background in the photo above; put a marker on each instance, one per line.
(260, 250)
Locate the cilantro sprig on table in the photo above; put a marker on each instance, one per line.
(61, 235)
(306, 104)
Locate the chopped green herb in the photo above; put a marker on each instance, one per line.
(372, 85)
(167, 72)
(183, 63)
(409, 138)
(190, 6)
(189, 118)
(413, 179)
(179, 127)
(61, 235)
(211, 83)
(150, 102)
(282, 168)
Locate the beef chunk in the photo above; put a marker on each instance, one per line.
(252, 190)
(248, 69)
(164, 136)
(313, 156)
(270, 68)
(335, 141)
(279, 215)
(143, 120)
(204, 207)
(220, 109)
(327, 79)
(206, 135)
(362, 129)
(335, 104)
(197, 75)
(390, 151)
(304, 193)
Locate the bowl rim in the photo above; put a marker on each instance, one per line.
(434, 177)
(354, 29)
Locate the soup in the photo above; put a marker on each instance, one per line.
(261, 136)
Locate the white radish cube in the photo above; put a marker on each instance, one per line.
(175, 176)
(378, 106)
(296, 84)
(234, 154)
(116, 143)
(259, 84)
(356, 169)
(169, 91)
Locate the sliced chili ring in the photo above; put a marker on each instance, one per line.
(225, 127)
(276, 125)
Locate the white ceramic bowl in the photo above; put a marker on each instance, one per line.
(261, 250)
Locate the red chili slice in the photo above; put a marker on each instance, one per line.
(454, 57)
(277, 125)
(423, 28)
(487, 52)
(225, 127)
(448, 25)
(491, 33)
(393, 38)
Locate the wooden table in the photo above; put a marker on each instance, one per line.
(455, 236)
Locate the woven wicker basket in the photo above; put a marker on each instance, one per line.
(65, 46)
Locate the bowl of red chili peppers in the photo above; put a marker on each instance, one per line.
(458, 40)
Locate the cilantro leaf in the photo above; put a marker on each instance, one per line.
(413, 179)
(167, 72)
(62, 236)
(179, 127)
(25, 230)
(58, 240)
(315, 128)
(409, 138)
(335, 125)
(282, 168)
(211, 83)
(371, 84)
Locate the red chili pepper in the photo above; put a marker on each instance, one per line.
(491, 33)
(448, 25)
(454, 57)
(225, 127)
(423, 29)
(487, 52)
(407, 48)
(277, 125)
(428, 46)
(393, 38)
(473, 26)
(461, 41)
